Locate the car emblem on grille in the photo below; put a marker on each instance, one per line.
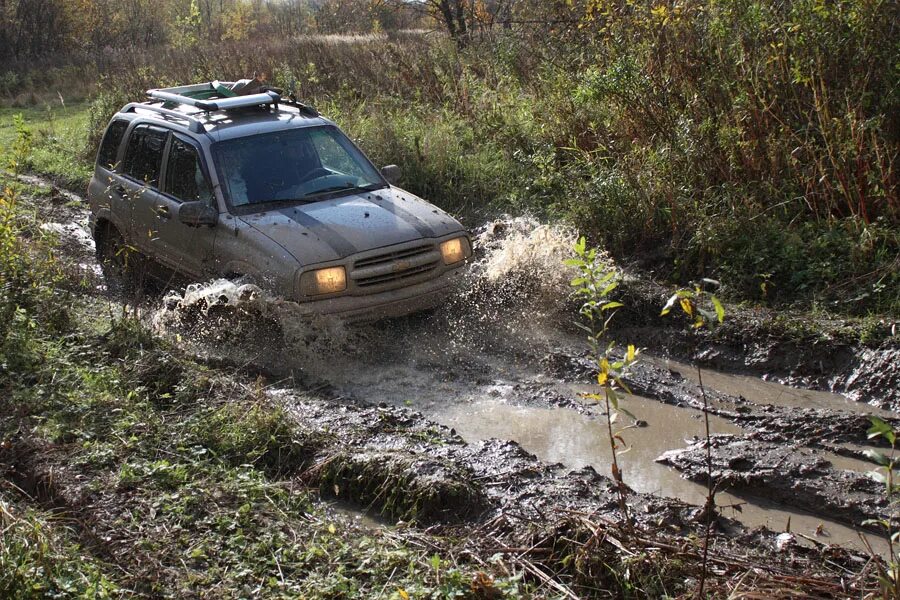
(401, 265)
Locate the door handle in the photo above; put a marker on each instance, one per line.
(119, 190)
(162, 211)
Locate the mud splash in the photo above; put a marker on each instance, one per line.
(515, 280)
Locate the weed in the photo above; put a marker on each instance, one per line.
(595, 282)
(20, 155)
(705, 310)
(889, 574)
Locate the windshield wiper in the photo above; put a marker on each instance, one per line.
(342, 188)
(314, 196)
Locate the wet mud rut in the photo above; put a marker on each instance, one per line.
(488, 393)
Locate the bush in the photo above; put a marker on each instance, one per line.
(29, 297)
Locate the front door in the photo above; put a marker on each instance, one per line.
(188, 249)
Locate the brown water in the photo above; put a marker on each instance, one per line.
(575, 440)
(760, 391)
(478, 367)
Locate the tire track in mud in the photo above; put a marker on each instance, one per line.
(449, 365)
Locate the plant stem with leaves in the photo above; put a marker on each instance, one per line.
(595, 282)
(705, 310)
(886, 474)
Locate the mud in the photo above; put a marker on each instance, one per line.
(801, 477)
(500, 363)
(444, 478)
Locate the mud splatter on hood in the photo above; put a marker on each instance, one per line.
(336, 228)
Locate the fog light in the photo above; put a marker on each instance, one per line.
(323, 281)
(455, 250)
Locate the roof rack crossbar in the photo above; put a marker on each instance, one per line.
(268, 97)
(193, 124)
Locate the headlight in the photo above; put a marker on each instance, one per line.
(323, 281)
(455, 250)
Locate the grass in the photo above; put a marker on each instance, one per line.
(184, 487)
(59, 141)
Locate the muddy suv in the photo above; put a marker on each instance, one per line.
(208, 183)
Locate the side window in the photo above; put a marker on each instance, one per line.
(109, 147)
(143, 155)
(184, 175)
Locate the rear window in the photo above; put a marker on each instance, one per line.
(143, 156)
(109, 147)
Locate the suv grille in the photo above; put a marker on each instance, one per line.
(395, 266)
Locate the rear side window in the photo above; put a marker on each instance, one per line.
(109, 147)
(184, 174)
(143, 155)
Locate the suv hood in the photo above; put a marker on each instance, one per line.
(334, 229)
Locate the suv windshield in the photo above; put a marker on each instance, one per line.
(298, 165)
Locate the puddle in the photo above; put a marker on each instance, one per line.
(848, 463)
(760, 391)
(575, 440)
(356, 517)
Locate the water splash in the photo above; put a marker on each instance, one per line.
(517, 287)
(243, 324)
(516, 280)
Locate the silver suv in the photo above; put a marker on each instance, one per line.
(208, 182)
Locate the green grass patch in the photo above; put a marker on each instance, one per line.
(59, 137)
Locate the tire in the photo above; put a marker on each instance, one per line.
(118, 262)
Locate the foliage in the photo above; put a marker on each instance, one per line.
(704, 310)
(30, 302)
(37, 560)
(762, 153)
(701, 306)
(20, 155)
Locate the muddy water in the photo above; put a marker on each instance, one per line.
(760, 391)
(575, 440)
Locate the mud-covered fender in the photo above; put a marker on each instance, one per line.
(243, 250)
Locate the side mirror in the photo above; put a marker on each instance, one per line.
(391, 173)
(198, 214)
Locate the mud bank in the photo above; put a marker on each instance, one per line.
(801, 477)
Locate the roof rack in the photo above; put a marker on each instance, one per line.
(193, 124)
(213, 96)
(305, 109)
(267, 97)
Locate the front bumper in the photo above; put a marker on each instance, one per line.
(388, 304)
